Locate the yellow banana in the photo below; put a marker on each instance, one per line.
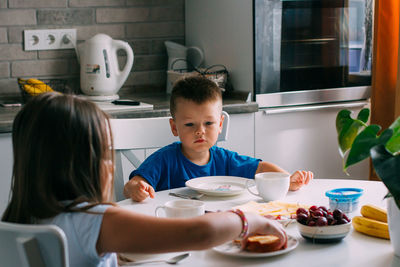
(374, 212)
(38, 84)
(371, 227)
(31, 90)
(34, 86)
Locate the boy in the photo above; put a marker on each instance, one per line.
(196, 106)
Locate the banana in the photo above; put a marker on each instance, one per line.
(38, 84)
(374, 212)
(34, 86)
(371, 227)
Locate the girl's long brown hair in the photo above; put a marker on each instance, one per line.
(60, 143)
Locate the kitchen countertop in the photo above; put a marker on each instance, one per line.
(233, 104)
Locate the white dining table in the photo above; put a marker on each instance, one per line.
(355, 249)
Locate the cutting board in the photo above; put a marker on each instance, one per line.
(108, 106)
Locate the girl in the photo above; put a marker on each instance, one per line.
(63, 175)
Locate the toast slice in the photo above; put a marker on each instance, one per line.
(263, 243)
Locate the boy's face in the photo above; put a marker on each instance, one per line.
(197, 125)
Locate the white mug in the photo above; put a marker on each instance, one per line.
(181, 208)
(270, 185)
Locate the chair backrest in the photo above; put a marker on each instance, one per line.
(144, 133)
(27, 245)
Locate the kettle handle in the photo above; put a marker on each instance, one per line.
(123, 74)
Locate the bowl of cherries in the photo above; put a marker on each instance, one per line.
(322, 225)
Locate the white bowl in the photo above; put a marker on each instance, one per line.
(324, 234)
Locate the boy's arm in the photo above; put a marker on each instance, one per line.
(297, 179)
(268, 167)
(300, 178)
(138, 189)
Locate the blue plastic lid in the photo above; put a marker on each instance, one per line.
(344, 193)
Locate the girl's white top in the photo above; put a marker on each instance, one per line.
(82, 231)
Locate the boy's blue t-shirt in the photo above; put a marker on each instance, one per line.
(168, 168)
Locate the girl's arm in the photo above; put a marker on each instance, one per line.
(126, 231)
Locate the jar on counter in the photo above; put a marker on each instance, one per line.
(345, 199)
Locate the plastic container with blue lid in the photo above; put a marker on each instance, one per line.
(345, 199)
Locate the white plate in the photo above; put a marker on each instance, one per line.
(286, 222)
(218, 185)
(233, 249)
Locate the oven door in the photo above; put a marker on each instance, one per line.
(312, 51)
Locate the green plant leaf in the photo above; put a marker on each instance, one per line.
(343, 118)
(363, 115)
(348, 128)
(364, 141)
(387, 167)
(393, 145)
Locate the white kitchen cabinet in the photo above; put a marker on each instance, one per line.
(6, 165)
(304, 138)
(240, 134)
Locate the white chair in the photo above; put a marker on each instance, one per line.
(26, 245)
(144, 133)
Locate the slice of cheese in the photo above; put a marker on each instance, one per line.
(272, 208)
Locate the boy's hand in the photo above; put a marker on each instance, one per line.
(300, 178)
(138, 189)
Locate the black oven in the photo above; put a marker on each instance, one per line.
(312, 51)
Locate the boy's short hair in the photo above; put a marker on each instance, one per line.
(197, 88)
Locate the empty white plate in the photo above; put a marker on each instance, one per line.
(218, 185)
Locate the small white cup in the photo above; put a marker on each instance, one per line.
(270, 185)
(181, 208)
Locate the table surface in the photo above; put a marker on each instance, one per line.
(354, 250)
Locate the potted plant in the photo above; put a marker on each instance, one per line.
(358, 141)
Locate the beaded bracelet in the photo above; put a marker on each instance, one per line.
(245, 227)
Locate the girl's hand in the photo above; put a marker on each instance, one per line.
(261, 225)
(300, 178)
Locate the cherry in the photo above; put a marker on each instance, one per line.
(333, 222)
(312, 208)
(323, 208)
(321, 221)
(324, 213)
(321, 216)
(337, 214)
(330, 219)
(345, 217)
(301, 210)
(302, 218)
(342, 221)
(311, 223)
(317, 213)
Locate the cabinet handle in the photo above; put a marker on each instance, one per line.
(358, 104)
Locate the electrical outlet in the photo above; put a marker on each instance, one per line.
(49, 39)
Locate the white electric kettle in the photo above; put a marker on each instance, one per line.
(101, 77)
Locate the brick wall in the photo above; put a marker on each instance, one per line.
(145, 24)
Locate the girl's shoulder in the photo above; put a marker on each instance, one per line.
(82, 229)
